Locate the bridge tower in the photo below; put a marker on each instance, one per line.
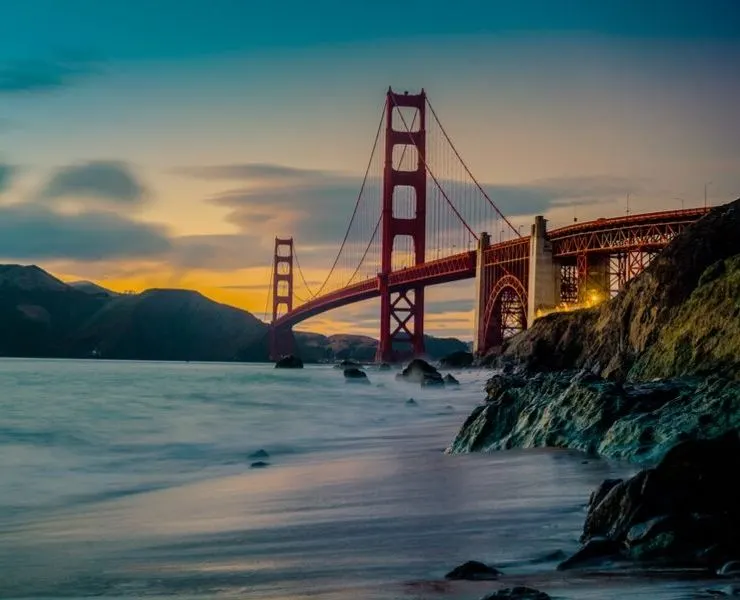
(282, 341)
(402, 311)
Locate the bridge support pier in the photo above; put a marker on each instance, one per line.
(594, 279)
(482, 289)
(544, 274)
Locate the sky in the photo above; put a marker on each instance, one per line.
(163, 143)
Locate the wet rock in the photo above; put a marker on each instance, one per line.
(411, 402)
(517, 593)
(450, 380)
(432, 379)
(417, 370)
(457, 360)
(261, 453)
(595, 551)
(355, 374)
(384, 367)
(473, 570)
(628, 420)
(289, 362)
(260, 464)
(684, 511)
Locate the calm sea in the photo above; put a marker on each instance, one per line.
(133, 480)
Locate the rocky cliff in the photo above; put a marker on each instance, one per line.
(658, 364)
(681, 316)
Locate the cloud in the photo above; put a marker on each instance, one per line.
(316, 206)
(258, 173)
(29, 232)
(541, 195)
(225, 252)
(113, 181)
(6, 173)
(44, 75)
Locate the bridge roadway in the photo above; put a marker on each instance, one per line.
(647, 232)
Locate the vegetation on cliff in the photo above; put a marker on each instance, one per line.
(681, 316)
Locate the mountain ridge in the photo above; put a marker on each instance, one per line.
(42, 316)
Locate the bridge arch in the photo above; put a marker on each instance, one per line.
(506, 311)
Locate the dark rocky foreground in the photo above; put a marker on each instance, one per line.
(629, 420)
(651, 376)
(684, 512)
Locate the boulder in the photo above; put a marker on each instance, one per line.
(417, 370)
(473, 570)
(384, 367)
(355, 374)
(457, 360)
(450, 380)
(684, 512)
(260, 464)
(432, 379)
(289, 362)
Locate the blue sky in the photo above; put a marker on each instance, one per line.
(110, 111)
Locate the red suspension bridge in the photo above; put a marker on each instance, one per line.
(420, 219)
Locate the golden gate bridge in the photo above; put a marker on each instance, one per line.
(421, 218)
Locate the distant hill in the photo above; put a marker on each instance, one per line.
(169, 324)
(315, 347)
(92, 288)
(41, 316)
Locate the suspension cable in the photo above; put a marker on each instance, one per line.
(465, 166)
(367, 248)
(300, 272)
(357, 203)
(426, 166)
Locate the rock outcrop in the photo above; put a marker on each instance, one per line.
(681, 316)
(420, 371)
(630, 420)
(356, 375)
(684, 512)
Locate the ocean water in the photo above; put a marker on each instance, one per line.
(133, 480)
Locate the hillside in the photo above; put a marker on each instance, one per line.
(681, 316)
(41, 316)
(314, 347)
(168, 324)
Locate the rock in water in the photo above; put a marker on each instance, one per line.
(517, 593)
(260, 464)
(417, 370)
(450, 380)
(685, 511)
(289, 362)
(473, 570)
(355, 374)
(384, 367)
(457, 360)
(431, 379)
